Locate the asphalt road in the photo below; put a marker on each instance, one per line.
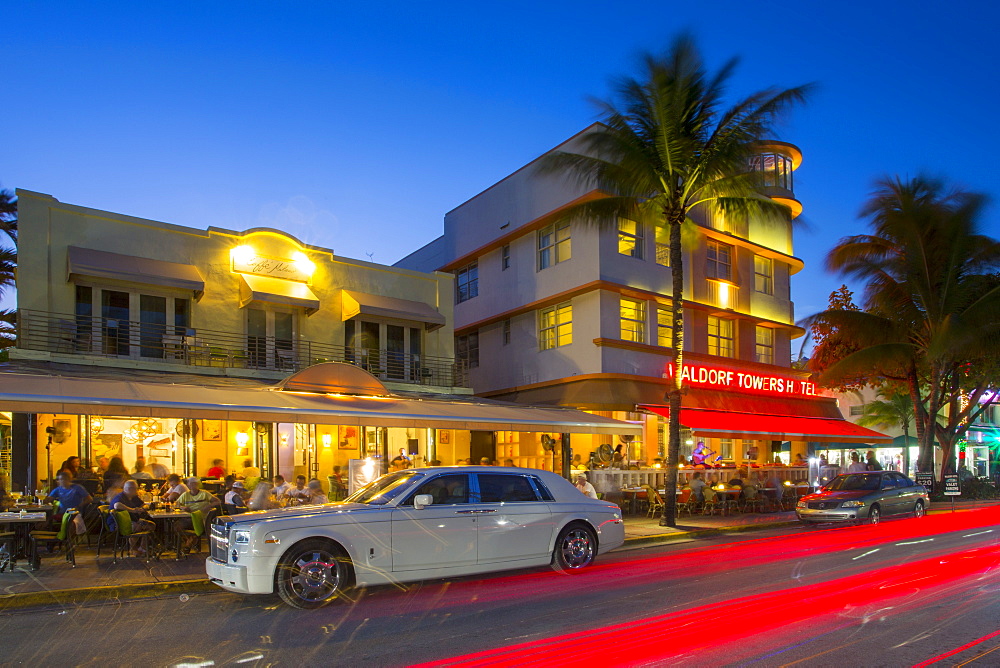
(898, 594)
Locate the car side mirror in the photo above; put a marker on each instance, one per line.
(422, 500)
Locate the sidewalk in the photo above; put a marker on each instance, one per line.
(58, 585)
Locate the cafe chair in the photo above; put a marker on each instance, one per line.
(8, 551)
(751, 499)
(63, 538)
(711, 504)
(655, 501)
(196, 531)
(686, 501)
(124, 532)
(104, 511)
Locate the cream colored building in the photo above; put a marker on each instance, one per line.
(113, 309)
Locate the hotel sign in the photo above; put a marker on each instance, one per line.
(722, 378)
(262, 265)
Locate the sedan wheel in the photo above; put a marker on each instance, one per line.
(575, 549)
(875, 515)
(312, 574)
(918, 510)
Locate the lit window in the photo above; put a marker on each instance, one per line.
(719, 263)
(633, 320)
(665, 327)
(765, 345)
(555, 326)
(630, 238)
(553, 245)
(726, 448)
(505, 258)
(721, 337)
(663, 246)
(763, 274)
(467, 282)
(775, 169)
(467, 349)
(506, 331)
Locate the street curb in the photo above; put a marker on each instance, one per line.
(104, 594)
(637, 541)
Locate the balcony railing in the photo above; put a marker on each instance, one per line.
(129, 339)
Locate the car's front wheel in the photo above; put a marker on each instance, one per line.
(576, 548)
(312, 574)
(875, 515)
(918, 509)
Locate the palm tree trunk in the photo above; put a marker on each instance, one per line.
(669, 517)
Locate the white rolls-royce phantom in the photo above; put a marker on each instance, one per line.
(416, 524)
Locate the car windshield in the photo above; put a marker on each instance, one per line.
(383, 490)
(864, 481)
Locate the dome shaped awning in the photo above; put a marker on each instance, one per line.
(334, 378)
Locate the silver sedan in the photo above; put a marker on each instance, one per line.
(864, 497)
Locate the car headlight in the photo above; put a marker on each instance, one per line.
(853, 504)
(241, 536)
(801, 504)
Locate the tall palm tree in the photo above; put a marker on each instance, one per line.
(932, 303)
(8, 265)
(667, 147)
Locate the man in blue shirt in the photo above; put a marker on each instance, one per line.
(70, 495)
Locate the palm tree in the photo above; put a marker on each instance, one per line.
(932, 304)
(893, 409)
(666, 147)
(8, 265)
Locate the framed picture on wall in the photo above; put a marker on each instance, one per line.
(444, 437)
(211, 430)
(347, 438)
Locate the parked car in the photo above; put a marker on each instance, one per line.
(864, 497)
(416, 524)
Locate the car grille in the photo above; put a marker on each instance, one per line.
(823, 505)
(220, 541)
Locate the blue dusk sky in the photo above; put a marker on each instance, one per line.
(357, 128)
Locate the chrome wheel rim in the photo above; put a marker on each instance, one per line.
(577, 548)
(874, 516)
(918, 510)
(314, 576)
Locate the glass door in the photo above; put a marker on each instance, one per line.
(115, 315)
(395, 352)
(257, 338)
(152, 325)
(271, 339)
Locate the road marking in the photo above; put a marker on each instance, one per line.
(957, 650)
(785, 665)
(866, 554)
(914, 542)
(976, 658)
(978, 533)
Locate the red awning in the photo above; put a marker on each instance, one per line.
(730, 424)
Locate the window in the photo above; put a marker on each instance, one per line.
(663, 246)
(726, 448)
(664, 327)
(763, 275)
(467, 348)
(553, 245)
(505, 258)
(775, 169)
(721, 338)
(505, 331)
(765, 345)
(271, 340)
(633, 320)
(467, 282)
(749, 449)
(857, 410)
(630, 238)
(130, 324)
(555, 326)
(719, 262)
(505, 489)
(444, 489)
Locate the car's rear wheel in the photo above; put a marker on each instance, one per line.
(918, 509)
(875, 515)
(576, 548)
(312, 574)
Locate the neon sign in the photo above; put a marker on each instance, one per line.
(746, 381)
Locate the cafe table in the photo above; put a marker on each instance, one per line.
(729, 497)
(165, 520)
(23, 522)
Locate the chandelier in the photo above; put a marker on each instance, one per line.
(140, 431)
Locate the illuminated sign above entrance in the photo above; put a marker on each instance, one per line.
(247, 261)
(722, 378)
